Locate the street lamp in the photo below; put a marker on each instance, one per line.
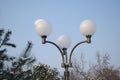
(43, 29)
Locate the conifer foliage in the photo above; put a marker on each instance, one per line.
(12, 68)
(21, 67)
(44, 72)
(4, 43)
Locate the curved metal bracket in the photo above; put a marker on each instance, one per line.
(50, 42)
(70, 63)
(63, 52)
(88, 40)
(58, 49)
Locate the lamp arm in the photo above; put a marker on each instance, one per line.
(70, 63)
(57, 48)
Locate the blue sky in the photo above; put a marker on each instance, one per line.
(65, 17)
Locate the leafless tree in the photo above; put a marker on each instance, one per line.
(101, 70)
(78, 72)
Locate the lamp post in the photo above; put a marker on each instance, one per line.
(43, 29)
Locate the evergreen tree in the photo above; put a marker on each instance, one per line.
(44, 72)
(22, 67)
(4, 58)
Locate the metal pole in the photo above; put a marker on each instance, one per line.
(66, 72)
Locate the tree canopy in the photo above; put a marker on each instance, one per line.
(22, 68)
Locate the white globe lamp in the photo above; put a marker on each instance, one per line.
(64, 41)
(87, 28)
(42, 27)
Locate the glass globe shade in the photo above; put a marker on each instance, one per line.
(87, 27)
(63, 41)
(42, 27)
